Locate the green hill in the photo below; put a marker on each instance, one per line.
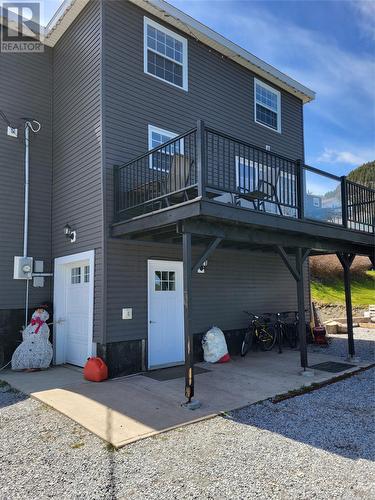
(327, 281)
(327, 286)
(364, 174)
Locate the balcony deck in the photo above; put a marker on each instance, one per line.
(212, 185)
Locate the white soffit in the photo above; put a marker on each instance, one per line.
(68, 11)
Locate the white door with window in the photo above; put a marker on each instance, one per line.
(73, 296)
(165, 313)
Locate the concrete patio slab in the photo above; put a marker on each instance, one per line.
(127, 409)
(53, 378)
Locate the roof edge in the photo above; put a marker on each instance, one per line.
(70, 9)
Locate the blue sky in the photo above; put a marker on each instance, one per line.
(327, 45)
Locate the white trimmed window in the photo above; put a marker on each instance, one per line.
(161, 159)
(165, 54)
(267, 110)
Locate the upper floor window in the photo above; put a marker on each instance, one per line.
(165, 54)
(161, 159)
(267, 106)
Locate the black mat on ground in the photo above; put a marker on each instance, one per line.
(332, 366)
(172, 373)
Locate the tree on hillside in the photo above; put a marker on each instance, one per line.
(364, 174)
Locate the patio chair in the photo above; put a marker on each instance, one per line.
(265, 192)
(176, 186)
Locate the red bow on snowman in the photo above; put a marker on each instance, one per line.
(37, 321)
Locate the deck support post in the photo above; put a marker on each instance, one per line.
(346, 260)
(300, 258)
(189, 361)
(296, 270)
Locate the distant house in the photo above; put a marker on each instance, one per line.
(156, 130)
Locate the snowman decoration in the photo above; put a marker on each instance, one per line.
(35, 351)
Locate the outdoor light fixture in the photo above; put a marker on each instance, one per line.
(70, 233)
(203, 267)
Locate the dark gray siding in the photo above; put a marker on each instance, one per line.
(77, 178)
(234, 281)
(220, 93)
(25, 91)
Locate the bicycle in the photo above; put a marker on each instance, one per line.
(260, 331)
(287, 331)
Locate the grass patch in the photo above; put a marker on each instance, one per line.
(331, 291)
(77, 445)
(109, 447)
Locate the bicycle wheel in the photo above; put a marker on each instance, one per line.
(267, 338)
(291, 338)
(247, 342)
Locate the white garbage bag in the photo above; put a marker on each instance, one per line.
(214, 346)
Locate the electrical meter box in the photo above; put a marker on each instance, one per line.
(23, 268)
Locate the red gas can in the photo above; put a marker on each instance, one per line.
(95, 370)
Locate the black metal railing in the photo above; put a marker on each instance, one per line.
(255, 178)
(163, 176)
(205, 163)
(360, 207)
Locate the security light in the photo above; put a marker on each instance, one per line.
(70, 233)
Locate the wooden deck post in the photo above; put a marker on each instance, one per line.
(346, 262)
(301, 308)
(189, 361)
(300, 189)
(201, 158)
(297, 273)
(344, 201)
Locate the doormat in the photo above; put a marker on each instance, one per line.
(332, 366)
(172, 373)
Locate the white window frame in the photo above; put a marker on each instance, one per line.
(247, 163)
(278, 95)
(150, 22)
(151, 129)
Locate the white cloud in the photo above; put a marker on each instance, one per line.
(365, 10)
(343, 157)
(342, 119)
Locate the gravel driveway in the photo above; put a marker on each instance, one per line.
(364, 344)
(319, 445)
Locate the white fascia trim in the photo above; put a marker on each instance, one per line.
(185, 69)
(275, 91)
(68, 11)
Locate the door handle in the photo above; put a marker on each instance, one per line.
(151, 321)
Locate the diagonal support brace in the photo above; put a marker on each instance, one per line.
(210, 248)
(346, 259)
(292, 268)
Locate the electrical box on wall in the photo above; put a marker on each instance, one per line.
(23, 268)
(12, 132)
(127, 313)
(38, 281)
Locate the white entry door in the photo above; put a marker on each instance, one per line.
(73, 310)
(165, 313)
